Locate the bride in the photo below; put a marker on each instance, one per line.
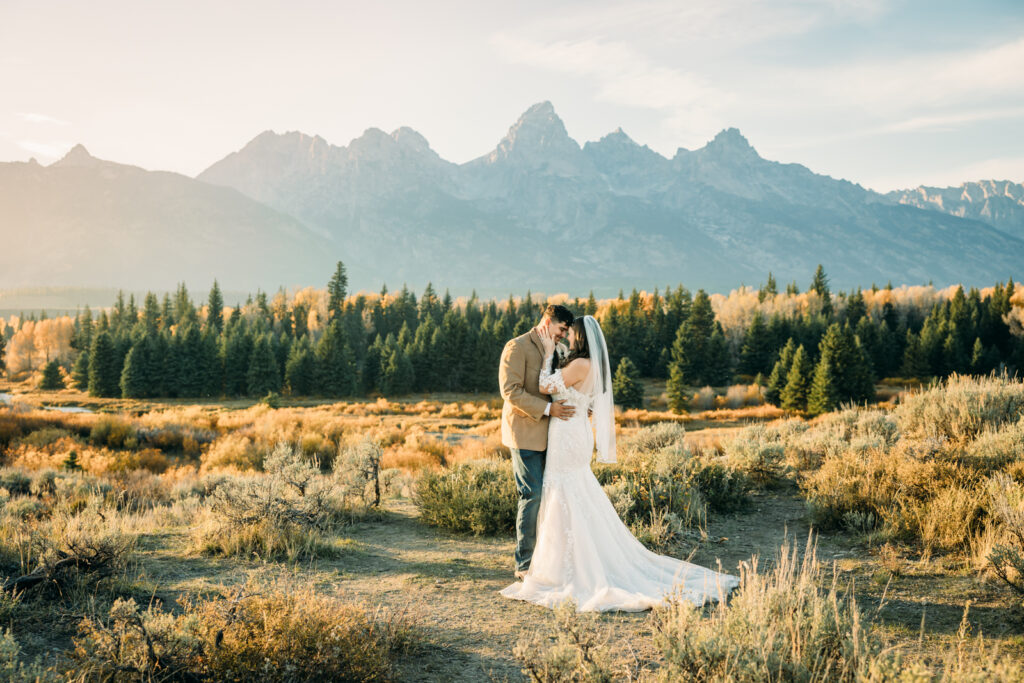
(584, 552)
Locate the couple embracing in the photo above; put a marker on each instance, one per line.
(570, 542)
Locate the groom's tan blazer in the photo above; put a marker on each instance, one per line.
(523, 422)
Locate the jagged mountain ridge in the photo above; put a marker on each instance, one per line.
(1000, 203)
(541, 211)
(84, 221)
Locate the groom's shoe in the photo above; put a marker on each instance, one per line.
(521, 574)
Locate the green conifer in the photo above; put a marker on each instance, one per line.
(798, 381)
(627, 389)
(824, 394)
(780, 373)
(263, 375)
(52, 379)
(104, 374)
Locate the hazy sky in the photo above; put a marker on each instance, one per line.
(885, 93)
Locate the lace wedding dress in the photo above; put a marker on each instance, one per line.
(584, 552)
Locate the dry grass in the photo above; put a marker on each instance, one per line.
(907, 493)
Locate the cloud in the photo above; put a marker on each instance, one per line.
(726, 23)
(49, 150)
(950, 121)
(921, 81)
(41, 118)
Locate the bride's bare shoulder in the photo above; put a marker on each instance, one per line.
(576, 370)
(581, 363)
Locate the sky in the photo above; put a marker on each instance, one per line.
(886, 93)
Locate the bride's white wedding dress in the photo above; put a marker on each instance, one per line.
(584, 552)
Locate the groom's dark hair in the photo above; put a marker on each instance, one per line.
(559, 313)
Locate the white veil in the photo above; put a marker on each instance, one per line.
(600, 384)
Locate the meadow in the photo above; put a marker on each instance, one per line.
(367, 540)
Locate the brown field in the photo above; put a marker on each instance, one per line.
(152, 460)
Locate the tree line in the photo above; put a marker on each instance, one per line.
(399, 343)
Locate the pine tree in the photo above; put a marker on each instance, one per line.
(335, 362)
(80, 371)
(396, 370)
(979, 359)
(3, 346)
(915, 363)
(769, 290)
(135, 382)
(104, 375)
(819, 284)
(184, 309)
(678, 381)
(627, 389)
(71, 462)
(300, 370)
(692, 350)
(848, 363)
(215, 308)
(237, 345)
(780, 373)
(211, 364)
(798, 381)
(373, 364)
(337, 290)
(856, 308)
(824, 395)
(189, 346)
(263, 376)
(756, 351)
(719, 369)
(51, 377)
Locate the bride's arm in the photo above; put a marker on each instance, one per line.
(550, 381)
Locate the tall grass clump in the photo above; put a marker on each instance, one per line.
(961, 407)
(274, 634)
(663, 490)
(477, 497)
(65, 553)
(284, 513)
(920, 474)
(793, 622)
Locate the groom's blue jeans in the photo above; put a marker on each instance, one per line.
(528, 467)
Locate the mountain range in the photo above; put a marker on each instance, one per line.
(537, 212)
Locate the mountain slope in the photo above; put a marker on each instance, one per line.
(1000, 203)
(88, 222)
(540, 211)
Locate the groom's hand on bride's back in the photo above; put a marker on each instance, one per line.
(559, 409)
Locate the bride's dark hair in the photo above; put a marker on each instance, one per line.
(580, 347)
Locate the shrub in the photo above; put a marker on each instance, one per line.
(477, 497)
(74, 550)
(15, 481)
(113, 432)
(962, 407)
(283, 513)
(26, 508)
(41, 438)
(757, 452)
(1007, 559)
(358, 474)
(578, 654)
(13, 670)
(658, 467)
(233, 451)
(293, 633)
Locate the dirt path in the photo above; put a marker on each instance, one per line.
(449, 584)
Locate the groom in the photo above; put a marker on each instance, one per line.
(524, 422)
